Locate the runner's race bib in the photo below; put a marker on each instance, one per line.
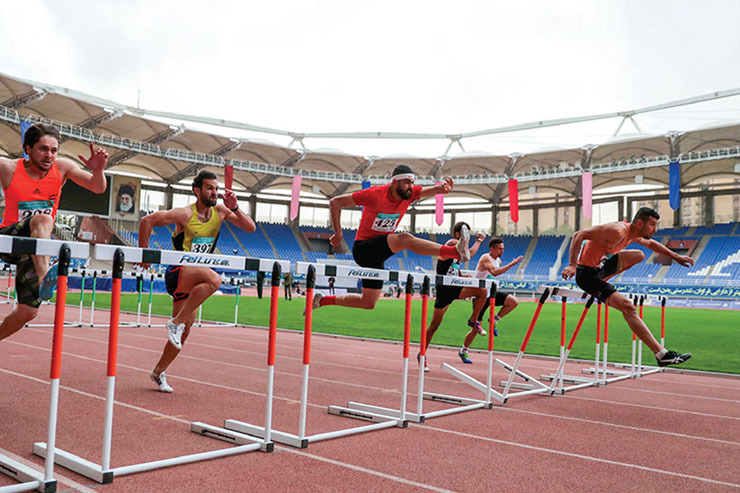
(33, 207)
(454, 269)
(201, 244)
(386, 223)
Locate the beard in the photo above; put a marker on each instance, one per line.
(405, 194)
(125, 207)
(210, 202)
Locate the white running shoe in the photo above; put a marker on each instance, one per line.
(316, 302)
(161, 382)
(174, 333)
(462, 244)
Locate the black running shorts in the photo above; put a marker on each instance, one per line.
(372, 253)
(591, 279)
(446, 295)
(26, 277)
(172, 281)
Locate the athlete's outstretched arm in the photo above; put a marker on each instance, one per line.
(235, 215)
(444, 187)
(658, 247)
(95, 181)
(179, 216)
(335, 212)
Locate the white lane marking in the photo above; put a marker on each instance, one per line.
(368, 471)
(580, 456)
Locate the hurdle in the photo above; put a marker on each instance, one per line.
(464, 403)
(29, 478)
(380, 417)
(9, 268)
(103, 473)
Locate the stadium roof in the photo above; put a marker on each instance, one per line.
(168, 148)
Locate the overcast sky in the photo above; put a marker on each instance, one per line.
(425, 66)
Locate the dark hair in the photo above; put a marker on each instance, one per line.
(494, 241)
(203, 175)
(645, 212)
(401, 169)
(458, 226)
(36, 131)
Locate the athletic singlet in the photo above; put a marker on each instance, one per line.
(198, 237)
(448, 267)
(26, 196)
(592, 252)
(484, 274)
(382, 213)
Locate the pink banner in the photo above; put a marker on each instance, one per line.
(295, 196)
(439, 209)
(587, 182)
(514, 200)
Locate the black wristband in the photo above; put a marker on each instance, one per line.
(234, 209)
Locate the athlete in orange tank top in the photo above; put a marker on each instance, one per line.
(32, 191)
(592, 275)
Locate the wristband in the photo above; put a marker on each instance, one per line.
(234, 209)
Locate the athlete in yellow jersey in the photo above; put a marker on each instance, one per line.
(196, 230)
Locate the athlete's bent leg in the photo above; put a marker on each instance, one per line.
(41, 226)
(629, 312)
(200, 283)
(366, 300)
(627, 258)
(509, 304)
(16, 320)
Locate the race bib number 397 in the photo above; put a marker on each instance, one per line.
(386, 223)
(33, 207)
(201, 244)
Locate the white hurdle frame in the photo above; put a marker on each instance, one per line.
(103, 473)
(463, 403)
(381, 417)
(29, 478)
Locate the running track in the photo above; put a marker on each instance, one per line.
(671, 431)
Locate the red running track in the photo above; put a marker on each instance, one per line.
(671, 431)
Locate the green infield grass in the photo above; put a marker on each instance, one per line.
(713, 336)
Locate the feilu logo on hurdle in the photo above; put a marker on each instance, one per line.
(198, 259)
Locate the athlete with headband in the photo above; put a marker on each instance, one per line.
(32, 189)
(197, 228)
(592, 268)
(384, 207)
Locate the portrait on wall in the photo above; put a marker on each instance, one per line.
(125, 196)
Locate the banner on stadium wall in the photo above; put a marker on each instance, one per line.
(587, 185)
(124, 202)
(514, 200)
(674, 187)
(295, 196)
(24, 127)
(228, 177)
(439, 207)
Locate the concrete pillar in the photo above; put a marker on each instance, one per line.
(535, 222)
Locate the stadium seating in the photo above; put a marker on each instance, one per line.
(285, 242)
(543, 257)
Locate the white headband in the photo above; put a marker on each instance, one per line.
(403, 176)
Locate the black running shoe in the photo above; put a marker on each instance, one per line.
(673, 358)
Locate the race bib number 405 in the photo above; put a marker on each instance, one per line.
(386, 223)
(33, 207)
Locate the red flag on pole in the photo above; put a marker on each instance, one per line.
(514, 200)
(228, 176)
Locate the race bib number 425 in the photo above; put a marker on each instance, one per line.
(386, 223)
(33, 207)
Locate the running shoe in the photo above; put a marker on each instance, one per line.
(161, 382)
(174, 333)
(426, 361)
(477, 326)
(464, 357)
(48, 284)
(673, 358)
(316, 302)
(463, 244)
